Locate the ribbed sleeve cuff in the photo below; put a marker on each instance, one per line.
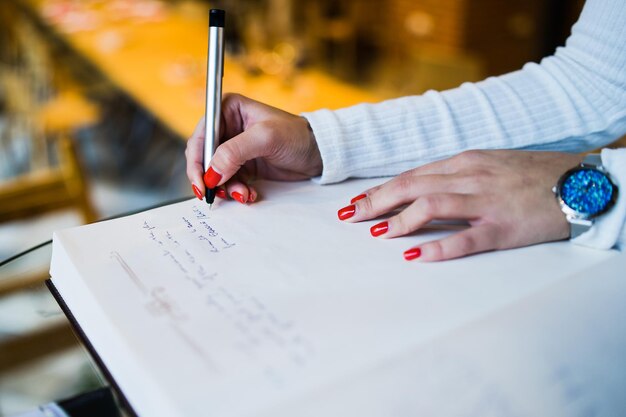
(328, 134)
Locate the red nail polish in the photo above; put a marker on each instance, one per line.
(196, 191)
(221, 193)
(211, 178)
(346, 212)
(237, 196)
(412, 253)
(357, 198)
(379, 229)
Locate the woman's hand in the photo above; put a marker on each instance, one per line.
(506, 196)
(257, 141)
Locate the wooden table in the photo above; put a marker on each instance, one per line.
(160, 64)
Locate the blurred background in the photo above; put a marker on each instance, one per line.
(97, 99)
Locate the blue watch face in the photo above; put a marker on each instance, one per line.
(587, 191)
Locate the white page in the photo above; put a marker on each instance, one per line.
(558, 353)
(232, 311)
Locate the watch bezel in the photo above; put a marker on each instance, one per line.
(572, 214)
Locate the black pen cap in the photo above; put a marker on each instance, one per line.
(217, 17)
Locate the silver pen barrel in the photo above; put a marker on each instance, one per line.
(215, 72)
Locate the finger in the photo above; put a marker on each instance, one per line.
(426, 209)
(232, 154)
(433, 176)
(254, 195)
(476, 239)
(193, 155)
(401, 190)
(220, 192)
(238, 191)
(238, 112)
(448, 167)
(441, 166)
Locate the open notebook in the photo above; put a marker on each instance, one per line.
(279, 309)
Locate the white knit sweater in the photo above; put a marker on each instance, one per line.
(573, 101)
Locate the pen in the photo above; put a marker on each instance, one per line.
(213, 109)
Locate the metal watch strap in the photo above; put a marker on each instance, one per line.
(593, 159)
(578, 227)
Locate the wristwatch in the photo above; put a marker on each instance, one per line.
(584, 193)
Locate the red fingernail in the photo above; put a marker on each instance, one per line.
(346, 212)
(211, 178)
(357, 198)
(237, 196)
(412, 253)
(379, 229)
(221, 193)
(196, 191)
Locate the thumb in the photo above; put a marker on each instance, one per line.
(232, 154)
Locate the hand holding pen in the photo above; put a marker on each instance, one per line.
(266, 142)
(257, 141)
